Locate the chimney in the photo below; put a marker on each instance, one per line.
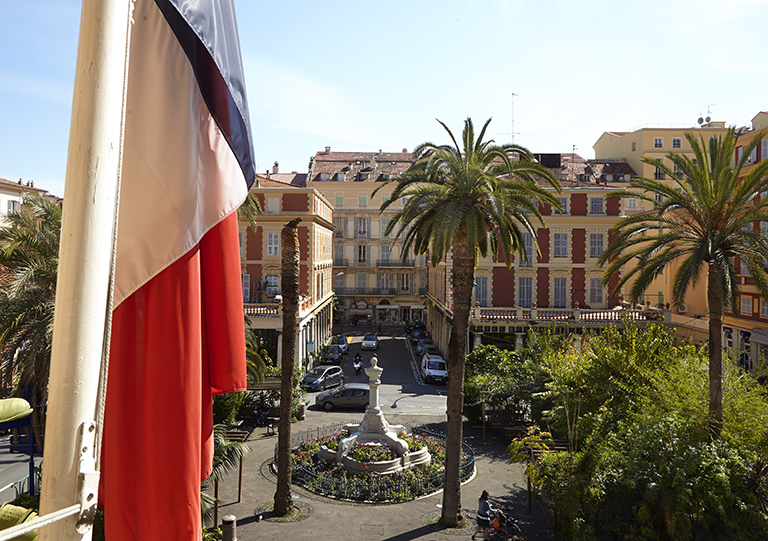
(327, 150)
(379, 151)
(405, 151)
(276, 168)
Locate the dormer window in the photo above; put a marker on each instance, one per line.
(322, 177)
(341, 177)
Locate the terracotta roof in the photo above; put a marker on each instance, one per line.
(619, 133)
(602, 168)
(279, 180)
(360, 166)
(21, 185)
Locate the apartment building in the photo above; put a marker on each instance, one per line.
(12, 195)
(561, 281)
(745, 326)
(371, 280)
(283, 197)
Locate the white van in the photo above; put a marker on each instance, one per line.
(434, 368)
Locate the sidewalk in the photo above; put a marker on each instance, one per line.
(330, 519)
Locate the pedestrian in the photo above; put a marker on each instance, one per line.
(484, 512)
(379, 329)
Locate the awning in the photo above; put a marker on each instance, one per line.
(759, 336)
(358, 312)
(418, 307)
(387, 306)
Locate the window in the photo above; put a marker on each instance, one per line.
(385, 253)
(339, 201)
(362, 227)
(481, 290)
(273, 284)
(338, 281)
(525, 291)
(362, 255)
(561, 245)
(676, 142)
(273, 205)
(246, 288)
(745, 268)
(746, 305)
(341, 177)
(560, 292)
(322, 177)
(659, 174)
(273, 243)
(595, 244)
(595, 291)
(752, 156)
(338, 253)
(737, 156)
(362, 281)
(423, 280)
(240, 242)
(384, 283)
(632, 203)
(362, 201)
(764, 154)
(405, 282)
(634, 146)
(338, 224)
(763, 308)
(564, 203)
(528, 245)
(678, 172)
(319, 286)
(596, 205)
(658, 142)
(659, 200)
(384, 225)
(13, 206)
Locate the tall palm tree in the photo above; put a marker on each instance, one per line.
(29, 258)
(289, 244)
(707, 217)
(466, 200)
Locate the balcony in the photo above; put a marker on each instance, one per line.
(387, 291)
(340, 262)
(361, 262)
(396, 262)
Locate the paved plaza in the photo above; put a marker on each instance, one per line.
(331, 519)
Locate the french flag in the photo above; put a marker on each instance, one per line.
(177, 330)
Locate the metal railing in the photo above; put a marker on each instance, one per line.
(395, 262)
(372, 487)
(365, 291)
(341, 262)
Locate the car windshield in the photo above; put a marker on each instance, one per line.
(315, 372)
(336, 349)
(436, 365)
(339, 390)
(369, 338)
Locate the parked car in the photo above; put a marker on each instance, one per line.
(322, 377)
(352, 395)
(334, 356)
(417, 325)
(434, 368)
(418, 335)
(370, 341)
(421, 344)
(341, 341)
(431, 349)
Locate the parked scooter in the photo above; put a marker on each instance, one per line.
(358, 363)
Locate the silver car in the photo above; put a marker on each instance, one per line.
(323, 377)
(352, 395)
(370, 341)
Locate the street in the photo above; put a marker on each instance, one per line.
(402, 390)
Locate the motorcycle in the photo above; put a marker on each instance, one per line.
(358, 363)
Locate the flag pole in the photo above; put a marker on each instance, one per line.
(83, 299)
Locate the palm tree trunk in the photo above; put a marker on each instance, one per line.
(715, 300)
(289, 244)
(463, 277)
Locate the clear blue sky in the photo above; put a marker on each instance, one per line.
(370, 75)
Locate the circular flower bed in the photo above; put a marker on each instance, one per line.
(330, 479)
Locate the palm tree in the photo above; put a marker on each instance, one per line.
(29, 258)
(289, 244)
(706, 218)
(226, 457)
(466, 200)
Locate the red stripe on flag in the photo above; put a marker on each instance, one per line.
(176, 342)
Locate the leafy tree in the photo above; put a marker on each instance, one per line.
(466, 199)
(706, 219)
(289, 246)
(29, 259)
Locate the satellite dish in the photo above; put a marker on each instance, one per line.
(701, 121)
(708, 119)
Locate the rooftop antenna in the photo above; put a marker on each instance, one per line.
(708, 118)
(513, 133)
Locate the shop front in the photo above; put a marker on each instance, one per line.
(387, 313)
(361, 314)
